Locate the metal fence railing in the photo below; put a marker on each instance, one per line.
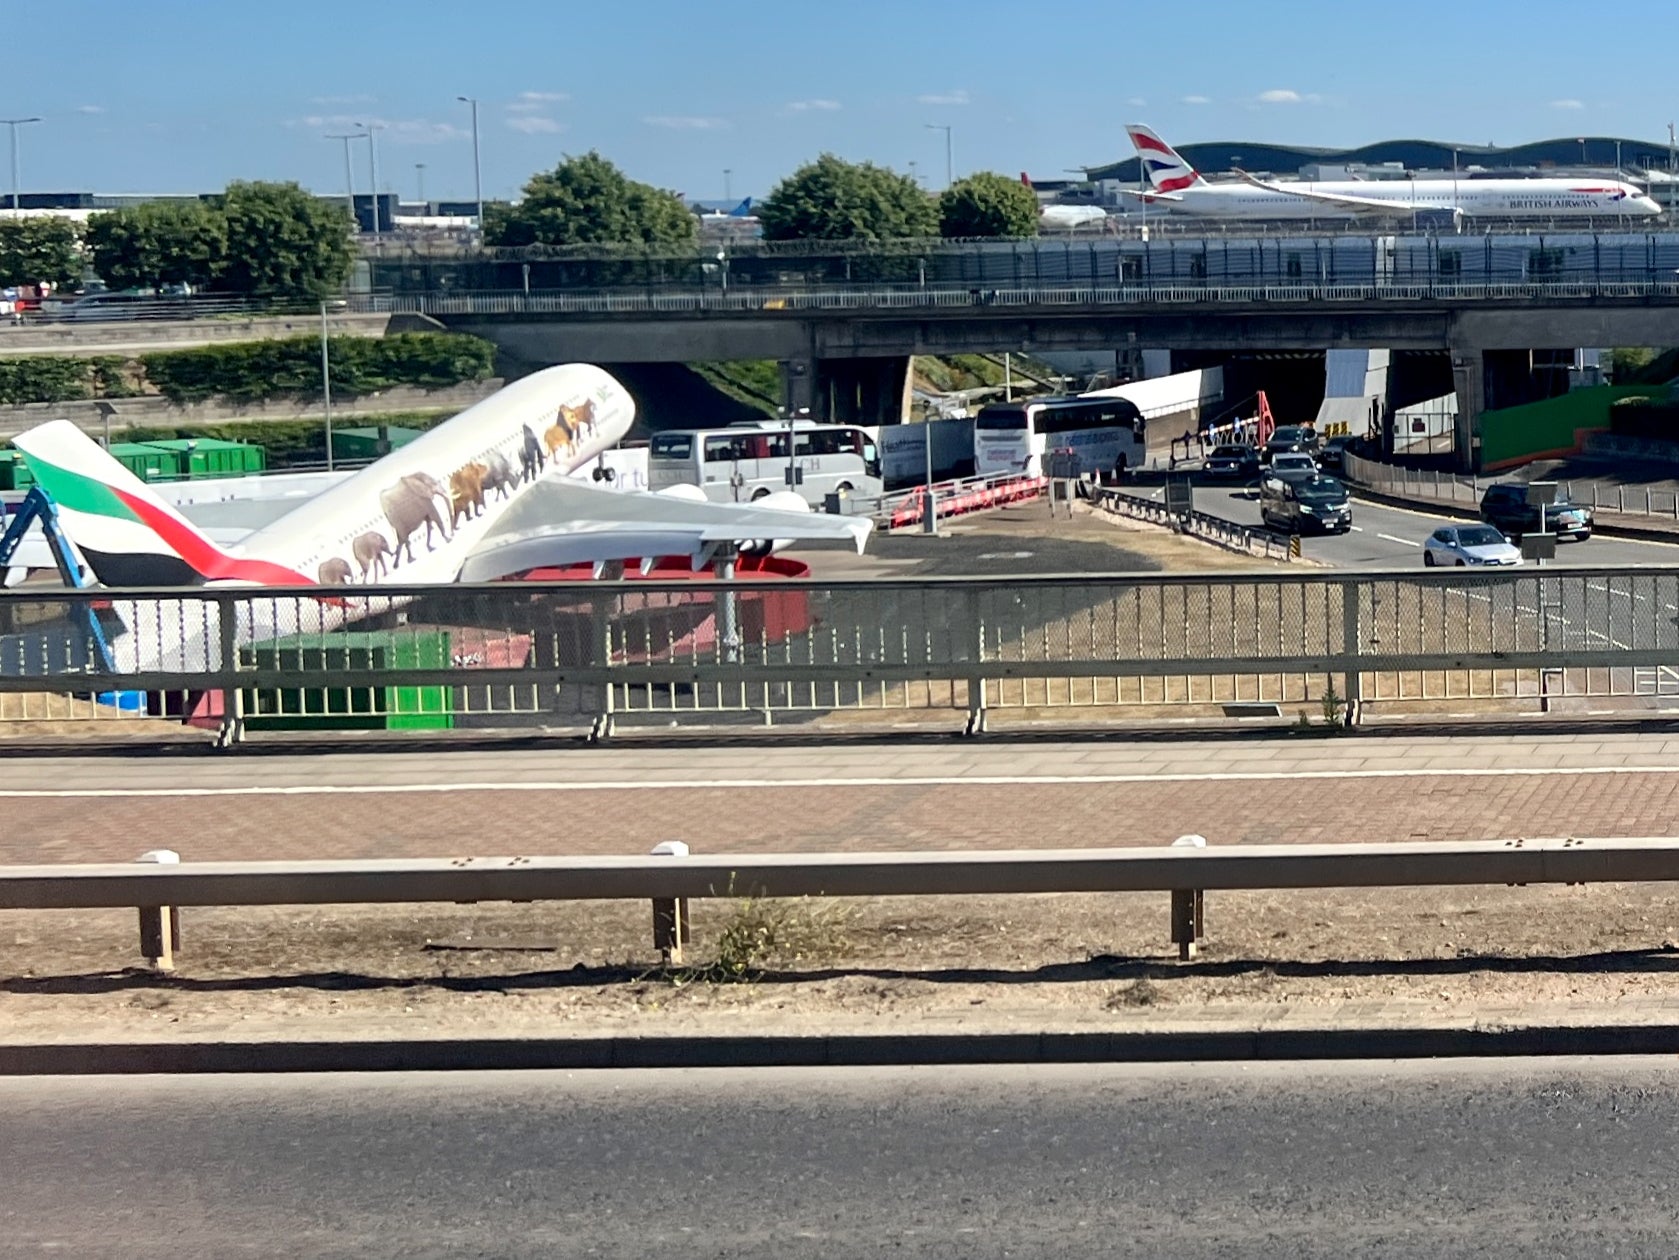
(1659, 505)
(1243, 538)
(1318, 644)
(70, 312)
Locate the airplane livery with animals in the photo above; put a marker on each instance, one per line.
(426, 513)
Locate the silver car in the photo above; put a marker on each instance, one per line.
(1469, 544)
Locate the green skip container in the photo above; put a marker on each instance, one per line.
(388, 708)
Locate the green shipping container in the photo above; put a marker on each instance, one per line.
(350, 708)
(14, 471)
(201, 458)
(364, 443)
(148, 463)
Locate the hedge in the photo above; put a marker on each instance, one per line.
(256, 370)
(253, 371)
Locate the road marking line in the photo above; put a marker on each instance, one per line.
(977, 780)
(1390, 538)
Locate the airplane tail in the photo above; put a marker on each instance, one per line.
(1025, 179)
(743, 210)
(1167, 170)
(128, 535)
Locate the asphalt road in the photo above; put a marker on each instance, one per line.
(1388, 537)
(1493, 1158)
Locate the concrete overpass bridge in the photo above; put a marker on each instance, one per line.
(845, 351)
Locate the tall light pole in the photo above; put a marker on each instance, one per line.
(420, 183)
(477, 169)
(949, 151)
(349, 174)
(372, 130)
(14, 124)
(1670, 167)
(728, 195)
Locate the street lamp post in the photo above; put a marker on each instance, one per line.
(372, 130)
(14, 124)
(477, 169)
(349, 173)
(949, 151)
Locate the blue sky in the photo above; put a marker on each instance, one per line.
(169, 96)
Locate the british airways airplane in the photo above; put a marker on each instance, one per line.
(1181, 189)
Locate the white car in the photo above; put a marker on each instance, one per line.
(1294, 462)
(1469, 544)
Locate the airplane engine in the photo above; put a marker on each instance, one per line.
(691, 494)
(776, 501)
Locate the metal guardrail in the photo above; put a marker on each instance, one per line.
(1243, 538)
(1433, 484)
(171, 309)
(1324, 645)
(789, 302)
(669, 881)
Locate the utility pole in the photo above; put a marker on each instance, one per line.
(14, 124)
(326, 389)
(477, 168)
(373, 168)
(349, 175)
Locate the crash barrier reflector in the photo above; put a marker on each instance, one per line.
(671, 875)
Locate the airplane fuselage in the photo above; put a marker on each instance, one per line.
(1488, 198)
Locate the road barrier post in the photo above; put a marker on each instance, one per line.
(1294, 546)
(1188, 914)
(670, 914)
(160, 926)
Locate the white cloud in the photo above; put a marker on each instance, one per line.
(358, 98)
(90, 109)
(391, 130)
(535, 125)
(545, 98)
(957, 96)
(1196, 100)
(1280, 96)
(1135, 100)
(684, 122)
(802, 107)
(1568, 103)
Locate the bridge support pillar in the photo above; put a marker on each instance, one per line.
(1469, 382)
(866, 391)
(798, 386)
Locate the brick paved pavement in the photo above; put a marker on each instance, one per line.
(514, 801)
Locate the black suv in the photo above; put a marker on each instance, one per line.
(1305, 505)
(1233, 460)
(1505, 507)
(1292, 437)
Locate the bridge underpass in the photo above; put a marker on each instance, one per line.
(853, 364)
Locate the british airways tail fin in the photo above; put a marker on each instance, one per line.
(128, 535)
(1167, 170)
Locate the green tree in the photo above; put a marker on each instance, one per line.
(284, 242)
(988, 204)
(834, 200)
(158, 243)
(44, 248)
(588, 201)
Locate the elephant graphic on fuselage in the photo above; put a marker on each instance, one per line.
(335, 572)
(370, 550)
(409, 504)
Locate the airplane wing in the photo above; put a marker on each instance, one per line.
(1149, 196)
(1346, 201)
(561, 522)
